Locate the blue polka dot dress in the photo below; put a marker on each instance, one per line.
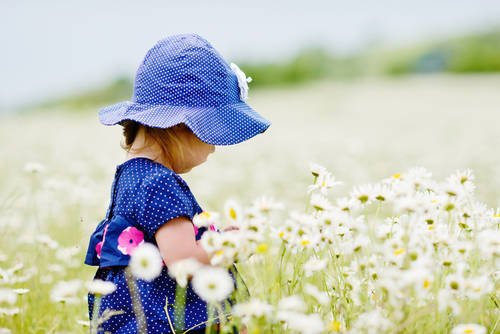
(145, 195)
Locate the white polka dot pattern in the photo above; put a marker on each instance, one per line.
(183, 79)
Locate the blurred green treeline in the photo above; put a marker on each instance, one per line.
(473, 53)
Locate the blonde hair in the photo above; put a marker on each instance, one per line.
(167, 139)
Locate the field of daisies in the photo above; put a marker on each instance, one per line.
(367, 207)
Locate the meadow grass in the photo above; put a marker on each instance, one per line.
(362, 131)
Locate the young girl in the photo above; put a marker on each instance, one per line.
(187, 99)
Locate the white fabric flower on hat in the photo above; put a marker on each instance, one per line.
(243, 81)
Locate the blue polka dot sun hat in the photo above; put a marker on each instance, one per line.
(183, 79)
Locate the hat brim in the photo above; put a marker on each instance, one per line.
(224, 125)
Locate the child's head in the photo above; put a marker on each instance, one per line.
(176, 147)
(187, 98)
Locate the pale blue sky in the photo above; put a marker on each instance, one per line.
(50, 48)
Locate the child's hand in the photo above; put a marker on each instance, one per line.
(231, 228)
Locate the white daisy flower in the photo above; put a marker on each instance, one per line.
(306, 323)
(146, 262)
(455, 282)
(66, 292)
(422, 280)
(418, 177)
(488, 242)
(46, 279)
(211, 241)
(313, 265)
(364, 194)
(56, 268)
(67, 254)
(346, 204)
(316, 170)
(9, 311)
(383, 193)
(101, 288)
(320, 202)
(34, 167)
(468, 329)
(372, 322)
(324, 182)
(205, 219)
(46, 240)
(292, 303)
(233, 211)
(452, 190)
(464, 179)
(264, 205)
(320, 296)
(21, 291)
(212, 284)
(477, 287)
(182, 270)
(254, 308)
(7, 296)
(83, 323)
(447, 300)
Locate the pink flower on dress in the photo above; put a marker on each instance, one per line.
(212, 227)
(130, 239)
(195, 228)
(98, 247)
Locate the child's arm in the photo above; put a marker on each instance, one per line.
(176, 241)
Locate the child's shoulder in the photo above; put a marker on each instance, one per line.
(150, 175)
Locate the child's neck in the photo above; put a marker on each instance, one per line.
(142, 149)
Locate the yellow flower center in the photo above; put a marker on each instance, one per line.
(427, 284)
(363, 198)
(232, 213)
(305, 242)
(396, 176)
(219, 252)
(262, 248)
(399, 251)
(334, 326)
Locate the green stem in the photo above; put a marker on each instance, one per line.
(280, 269)
(180, 307)
(95, 315)
(221, 316)
(306, 210)
(170, 324)
(211, 312)
(206, 323)
(493, 329)
(136, 302)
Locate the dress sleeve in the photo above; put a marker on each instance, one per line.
(160, 199)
